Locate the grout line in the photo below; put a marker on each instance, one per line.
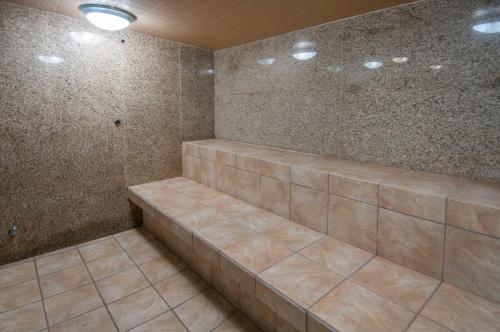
(228, 318)
(424, 305)
(41, 295)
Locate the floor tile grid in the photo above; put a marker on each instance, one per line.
(17, 283)
(171, 309)
(41, 295)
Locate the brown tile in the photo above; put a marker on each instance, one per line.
(226, 179)
(222, 236)
(191, 167)
(336, 255)
(353, 222)
(97, 320)
(64, 280)
(408, 288)
(19, 295)
(70, 304)
(147, 251)
(418, 194)
(121, 284)
(422, 324)
(27, 318)
(476, 207)
(411, 242)
(248, 187)
(134, 237)
(256, 253)
(99, 249)
(15, 274)
(106, 266)
(162, 267)
(208, 174)
(472, 262)
(205, 311)
(350, 307)
(166, 322)
(181, 287)
(275, 196)
(237, 323)
(300, 280)
(135, 309)
(260, 220)
(58, 261)
(459, 310)
(360, 182)
(309, 207)
(248, 163)
(292, 235)
(226, 158)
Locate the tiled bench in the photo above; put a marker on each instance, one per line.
(288, 277)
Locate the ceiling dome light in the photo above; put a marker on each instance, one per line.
(373, 64)
(488, 27)
(107, 17)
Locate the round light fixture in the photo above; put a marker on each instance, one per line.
(107, 17)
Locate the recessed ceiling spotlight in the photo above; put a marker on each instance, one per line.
(266, 61)
(402, 59)
(373, 64)
(107, 17)
(52, 59)
(436, 67)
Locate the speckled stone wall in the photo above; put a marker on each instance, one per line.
(439, 111)
(64, 164)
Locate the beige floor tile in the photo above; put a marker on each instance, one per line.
(178, 206)
(201, 218)
(260, 220)
(422, 324)
(396, 283)
(147, 251)
(300, 280)
(210, 197)
(476, 207)
(30, 318)
(309, 207)
(221, 236)
(100, 249)
(166, 322)
(58, 261)
(17, 273)
(336, 255)
(64, 280)
(121, 284)
(412, 242)
(460, 311)
(256, 253)
(181, 287)
(234, 208)
(275, 196)
(135, 309)
(205, 311)
(292, 235)
(473, 262)
(237, 323)
(84, 244)
(73, 303)
(178, 182)
(19, 295)
(353, 222)
(96, 320)
(160, 268)
(134, 237)
(109, 265)
(350, 307)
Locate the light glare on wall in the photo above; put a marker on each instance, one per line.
(107, 17)
(52, 59)
(401, 59)
(373, 64)
(266, 61)
(84, 37)
(304, 50)
(488, 27)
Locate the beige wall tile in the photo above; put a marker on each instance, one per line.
(208, 153)
(258, 312)
(237, 322)
(353, 222)
(350, 307)
(208, 174)
(459, 310)
(191, 149)
(275, 196)
(276, 170)
(476, 207)
(248, 187)
(225, 285)
(472, 262)
(226, 158)
(248, 163)
(309, 207)
(411, 242)
(226, 179)
(191, 167)
(308, 177)
(14, 274)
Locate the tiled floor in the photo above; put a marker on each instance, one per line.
(125, 282)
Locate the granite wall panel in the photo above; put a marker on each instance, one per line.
(64, 164)
(433, 105)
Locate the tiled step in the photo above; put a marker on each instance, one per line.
(288, 277)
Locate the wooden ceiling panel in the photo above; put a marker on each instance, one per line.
(217, 24)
